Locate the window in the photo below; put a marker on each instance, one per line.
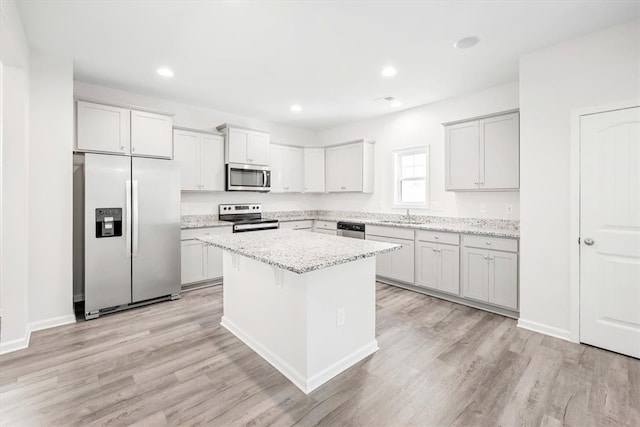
(411, 182)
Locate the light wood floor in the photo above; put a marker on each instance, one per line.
(439, 364)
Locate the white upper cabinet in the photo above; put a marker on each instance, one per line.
(483, 154)
(314, 170)
(108, 129)
(151, 134)
(500, 150)
(286, 165)
(349, 167)
(201, 159)
(103, 128)
(245, 146)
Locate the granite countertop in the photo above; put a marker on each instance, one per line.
(486, 227)
(202, 221)
(453, 227)
(287, 250)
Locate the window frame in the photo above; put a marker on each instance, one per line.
(397, 181)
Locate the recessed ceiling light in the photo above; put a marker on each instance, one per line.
(396, 104)
(466, 42)
(296, 108)
(389, 72)
(165, 72)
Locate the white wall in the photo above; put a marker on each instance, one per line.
(596, 69)
(50, 190)
(14, 104)
(423, 126)
(207, 119)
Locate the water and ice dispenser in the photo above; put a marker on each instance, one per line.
(108, 222)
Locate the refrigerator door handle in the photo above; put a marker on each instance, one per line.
(127, 240)
(135, 218)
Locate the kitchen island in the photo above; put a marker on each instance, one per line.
(305, 302)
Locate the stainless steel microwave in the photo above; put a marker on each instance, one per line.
(241, 177)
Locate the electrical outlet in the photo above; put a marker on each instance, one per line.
(509, 209)
(483, 207)
(340, 317)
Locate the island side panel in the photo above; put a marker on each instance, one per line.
(334, 347)
(265, 307)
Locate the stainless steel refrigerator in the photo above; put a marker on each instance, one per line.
(131, 232)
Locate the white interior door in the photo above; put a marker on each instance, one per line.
(610, 230)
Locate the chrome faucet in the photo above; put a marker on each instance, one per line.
(408, 216)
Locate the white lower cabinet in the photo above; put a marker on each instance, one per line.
(490, 276)
(327, 232)
(438, 267)
(200, 262)
(397, 265)
(192, 262)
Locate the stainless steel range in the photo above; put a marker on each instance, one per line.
(246, 217)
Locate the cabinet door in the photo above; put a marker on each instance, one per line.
(449, 269)
(214, 262)
(334, 169)
(503, 279)
(237, 141)
(258, 148)
(192, 262)
(277, 165)
(151, 134)
(399, 264)
(383, 261)
(103, 128)
(314, 170)
(212, 162)
(352, 168)
(500, 152)
(427, 265)
(293, 162)
(186, 151)
(462, 156)
(475, 274)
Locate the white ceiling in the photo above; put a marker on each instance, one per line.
(258, 58)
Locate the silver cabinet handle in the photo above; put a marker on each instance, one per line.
(435, 250)
(133, 149)
(491, 258)
(127, 231)
(589, 241)
(134, 251)
(485, 257)
(488, 243)
(436, 237)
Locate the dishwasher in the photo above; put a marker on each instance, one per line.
(355, 230)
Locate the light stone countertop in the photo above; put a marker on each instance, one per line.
(452, 227)
(486, 227)
(297, 251)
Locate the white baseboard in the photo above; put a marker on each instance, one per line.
(293, 375)
(298, 379)
(342, 365)
(17, 344)
(52, 323)
(563, 334)
(22, 343)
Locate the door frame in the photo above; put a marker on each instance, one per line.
(574, 207)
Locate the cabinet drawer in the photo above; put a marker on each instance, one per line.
(328, 232)
(438, 237)
(296, 225)
(393, 232)
(326, 225)
(195, 232)
(487, 242)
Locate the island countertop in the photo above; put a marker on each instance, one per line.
(295, 251)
